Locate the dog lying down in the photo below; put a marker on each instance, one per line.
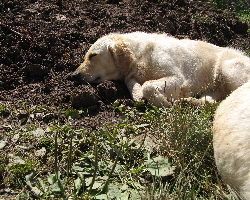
(163, 69)
(232, 140)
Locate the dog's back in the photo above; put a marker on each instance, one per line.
(163, 56)
(232, 140)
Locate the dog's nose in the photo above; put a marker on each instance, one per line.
(76, 76)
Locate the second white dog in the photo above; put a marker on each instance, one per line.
(232, 140)
(163, 69)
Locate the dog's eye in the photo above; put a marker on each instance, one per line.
(92, 55)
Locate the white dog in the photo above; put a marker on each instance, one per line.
(232, 140)
(163, 69)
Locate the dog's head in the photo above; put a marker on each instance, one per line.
(105, 60)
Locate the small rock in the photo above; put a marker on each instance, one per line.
(23, 114)
(41, 152)
(15, 138)
(60, 17)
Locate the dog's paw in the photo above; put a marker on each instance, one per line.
(193, 101)
(138, 97)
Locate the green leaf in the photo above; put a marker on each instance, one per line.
(120, 108)
(159, 166)
(2, 144)
(114, 191)
(52, 178)
(108, 135)
(31, 182)
(96, 185)
(74, 114)
(58, 186)
(101, 197)
(41, 185)
(79, 183)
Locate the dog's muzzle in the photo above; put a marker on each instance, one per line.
(76, 76)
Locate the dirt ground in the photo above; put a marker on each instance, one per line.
(43, 41)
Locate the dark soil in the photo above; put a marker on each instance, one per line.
(43, 41)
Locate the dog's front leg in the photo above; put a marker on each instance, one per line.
(164, 91)
(135, 89)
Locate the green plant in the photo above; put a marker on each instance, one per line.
(18, 170)
(241, 7)
(160, 153)
(235, 5)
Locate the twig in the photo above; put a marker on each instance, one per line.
(96, 168)
(113, 169)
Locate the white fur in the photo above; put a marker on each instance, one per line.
(232, 140)
(163, 69)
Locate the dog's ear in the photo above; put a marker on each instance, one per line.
(122, 55)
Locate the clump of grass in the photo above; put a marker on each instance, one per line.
(115, 161)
